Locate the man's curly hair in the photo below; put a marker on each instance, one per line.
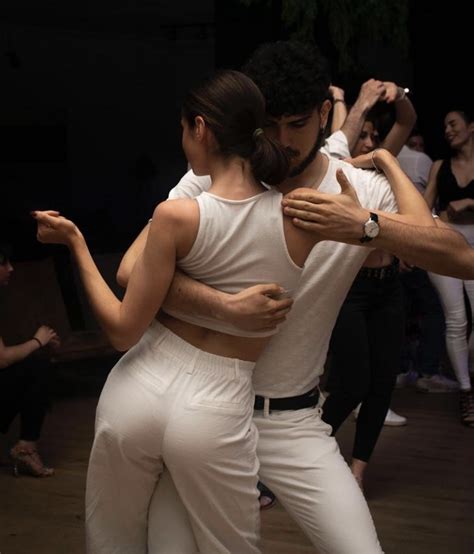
(292, 76)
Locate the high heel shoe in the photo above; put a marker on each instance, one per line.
(28, 461)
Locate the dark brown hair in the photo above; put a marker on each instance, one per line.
(233, 107)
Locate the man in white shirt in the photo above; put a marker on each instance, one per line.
(416, 165)
(299, 460)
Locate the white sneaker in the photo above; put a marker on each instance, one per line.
(436, 383)
(355, 412)
(394, 420)
(391, 419)
(406, 379)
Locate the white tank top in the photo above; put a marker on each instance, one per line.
(239, 243)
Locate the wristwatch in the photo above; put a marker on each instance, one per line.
(371, 228)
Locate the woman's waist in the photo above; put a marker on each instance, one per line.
(378, 259)
(214, 342)
(388, 271)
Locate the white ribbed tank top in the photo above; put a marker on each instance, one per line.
(239, 243)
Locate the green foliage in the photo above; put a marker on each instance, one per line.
(349, 22)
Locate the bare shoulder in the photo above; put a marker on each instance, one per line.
(436, 165)
(176, 212)
(179, 220)
(435, 169)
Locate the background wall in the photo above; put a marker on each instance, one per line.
(90, 109)
(91, 93)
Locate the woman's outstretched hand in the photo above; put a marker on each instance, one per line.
(54, 228)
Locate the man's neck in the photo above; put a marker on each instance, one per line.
(311, 177)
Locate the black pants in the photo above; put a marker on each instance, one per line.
(423, 307)
(24, 390)
(365, 355)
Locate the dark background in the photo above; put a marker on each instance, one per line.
(90, 98)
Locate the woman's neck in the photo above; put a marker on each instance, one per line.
(466, 152)
(233, 179)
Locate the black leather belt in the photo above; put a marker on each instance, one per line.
(379, 272)
(306, 400)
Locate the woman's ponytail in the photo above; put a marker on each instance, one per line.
(268, 160)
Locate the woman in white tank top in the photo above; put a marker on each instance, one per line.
(182, 394)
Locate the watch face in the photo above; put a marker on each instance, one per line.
(371, 229)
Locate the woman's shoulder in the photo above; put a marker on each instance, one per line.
(177, 211)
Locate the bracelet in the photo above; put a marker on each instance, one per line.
(373, 161)
(337, 100)
(38, 341)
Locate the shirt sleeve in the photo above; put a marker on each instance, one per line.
(336, 146)
(382, 197)
(190, 186)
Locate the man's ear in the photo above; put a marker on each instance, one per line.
(200, 128)
(324, 113)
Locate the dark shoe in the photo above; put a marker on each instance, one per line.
(266, 499)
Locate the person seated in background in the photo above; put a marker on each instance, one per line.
(23, 389)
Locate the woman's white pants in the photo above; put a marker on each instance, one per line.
(166, 402)
(451, 293)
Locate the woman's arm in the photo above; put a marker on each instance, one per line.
(339, 108)
(130, 257)
(125, 322)
(369, 94)
(405, 118)
(11, 354)
(431, 191)
(309, 205)
(18, 352)
(412, 208)
(458, 208)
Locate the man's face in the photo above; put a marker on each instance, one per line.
(299, 135)
(416, 142)
(6, 269)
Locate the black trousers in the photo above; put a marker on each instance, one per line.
(24, 391)
(365, 356)
(422, 306)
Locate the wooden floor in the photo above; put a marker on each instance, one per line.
(420, 487)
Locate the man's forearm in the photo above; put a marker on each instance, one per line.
(438, 249)
(193, 297)
(257, 308)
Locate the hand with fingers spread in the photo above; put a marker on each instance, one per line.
(338, 217)
(54, 228)
(258, 308)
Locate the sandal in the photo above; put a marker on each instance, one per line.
(26, 460)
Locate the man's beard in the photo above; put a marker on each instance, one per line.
(295, 171)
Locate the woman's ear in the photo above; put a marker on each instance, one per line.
(199, 128)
